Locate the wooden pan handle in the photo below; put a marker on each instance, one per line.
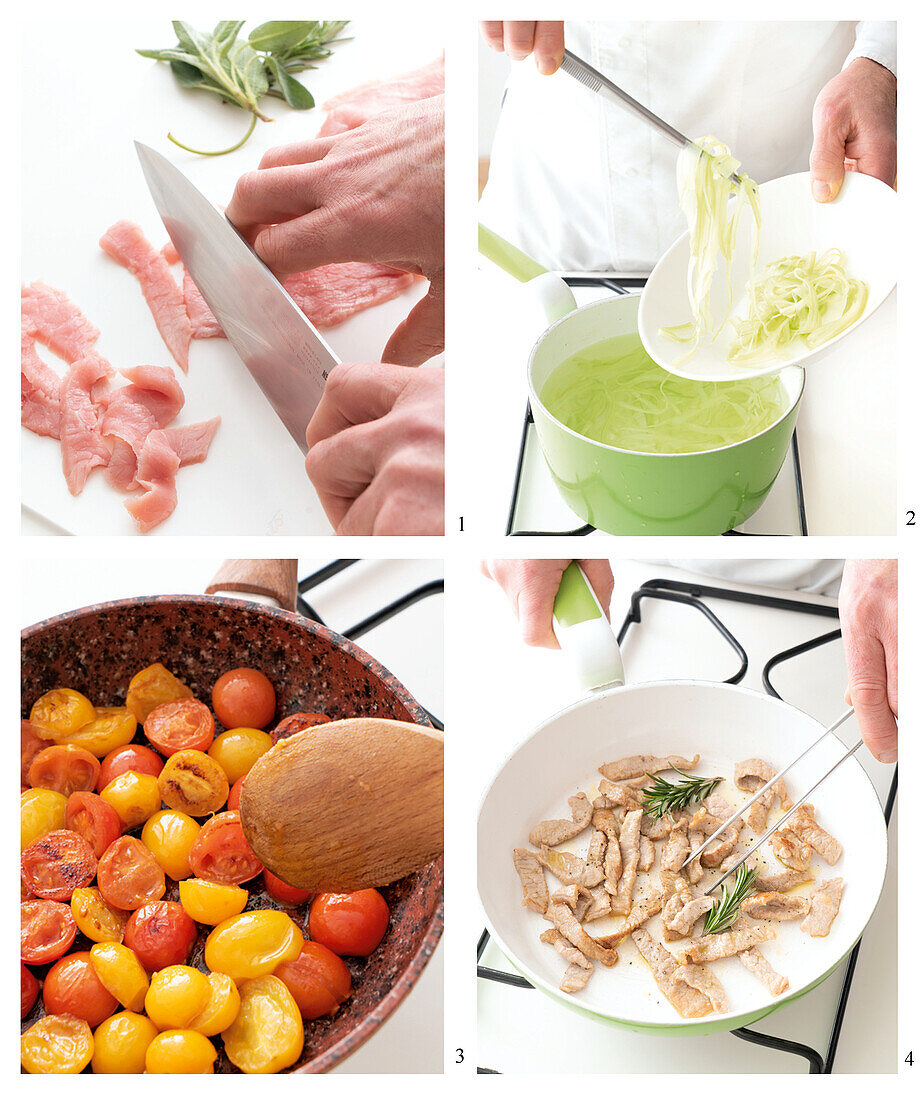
(274, 577)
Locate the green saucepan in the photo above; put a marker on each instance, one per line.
(627, 492)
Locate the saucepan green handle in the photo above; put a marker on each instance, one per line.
(584, 632)
(555, 296)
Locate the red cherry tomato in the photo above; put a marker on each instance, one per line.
(48, 930)
(244, 697)
(64, 768)
(183, 724)
(281, 891)
(71, 985)
(129, 876)
(129, 758)
(32, 745)
(296, 723)
(56, 864)
(161, 934)
(220, 853)
(349, 924)
(30, 985)
(318, 980)
(234, 795)
(94, 819)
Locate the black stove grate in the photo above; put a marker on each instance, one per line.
(389, 611)
(625, 286)
(692, 594)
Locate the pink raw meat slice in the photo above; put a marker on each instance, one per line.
(204, 323)
(127, 245)
(157, 389)
(151, 401)
(157, 466)
(40, 393)
(169, 253)
(83, 403)
(50, 317)
(352, 108)
(192, 441)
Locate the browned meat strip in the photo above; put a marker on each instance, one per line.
(674, 853)
(646, 858)
(688, 1001)
(790, 849)
(754, 960)
(750, 775)
(532, 877)
(565, 948)
(825, 904)
(606, 822)
(617, 794)
(575, 978)
(656, 828)
(557, 831)
(570, 869)
(631, 767)
(600, 904)
(772, 905)
(694, 871)
(569, 895)
(639, 916)
(705, 981)
(803, 824)
(683, 922)
(722, 945)
(567, 924)
(596, 853)
(783, 880)
(630, 848)
(714, 812)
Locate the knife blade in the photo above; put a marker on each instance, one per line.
(285, 354)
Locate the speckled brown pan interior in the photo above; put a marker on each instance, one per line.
(98, 649)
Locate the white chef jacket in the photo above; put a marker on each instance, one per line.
(581, 184)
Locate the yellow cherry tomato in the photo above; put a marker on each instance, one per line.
(169, 834)
(57, 1044)
(134, 796)
(210, 902)
(237, 750)
(96, 918)
(112, 728)
(40, 812)
(61, 712)
(253, 944)
(152, 686)
(222, 1008)
(121, 1043)
(120, 971)
(268, 1033)
(176, 996)
(180, 1052)
(193, 783)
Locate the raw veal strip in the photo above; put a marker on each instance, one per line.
(353, 108)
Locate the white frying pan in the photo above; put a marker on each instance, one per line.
(723, 724)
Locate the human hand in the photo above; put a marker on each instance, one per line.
(868, 617)
(376, 450)
(855, 128)
(519, 38)
(531, 586)
(372, 194)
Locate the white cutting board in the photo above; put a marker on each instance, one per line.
(81, 174)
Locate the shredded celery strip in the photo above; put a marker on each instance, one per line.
(614, 393)
(798, 296)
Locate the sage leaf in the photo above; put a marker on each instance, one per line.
(280, 34)
(294, 93)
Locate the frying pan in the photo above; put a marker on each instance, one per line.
(722, 723)
(98, 649)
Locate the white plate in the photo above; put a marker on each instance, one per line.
(861, 222)
(724, 724)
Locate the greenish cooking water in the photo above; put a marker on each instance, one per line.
(614, 393)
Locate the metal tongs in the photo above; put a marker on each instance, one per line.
(766, 786)
(594, 80)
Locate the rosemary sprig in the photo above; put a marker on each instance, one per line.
(727, 910)
(663, 797)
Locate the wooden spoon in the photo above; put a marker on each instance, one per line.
(347, 804)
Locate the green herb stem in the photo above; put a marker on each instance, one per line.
(663, 797)
(230, 148)
(726, 912)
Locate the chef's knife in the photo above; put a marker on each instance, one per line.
(286, 355)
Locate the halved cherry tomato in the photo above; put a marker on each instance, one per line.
(170, 835)
(32, 745)
(252, 944)
(121, 1043)
(71, 986)
(112, 728)
(96, 918)
(184, 724)
(221, 852)
(134, 797)
(238, 749)
(131, 758)
(56, 864)
(297, 723)
(193, 783)
(151, 687)
(268, 1034)
(48, 930)
(161, 934)
(57, 1044)
(180, 1051)
(62, 712)
(129, 876)
(234, 796)
(64, 768)
(281, 891)
(40, 812)
(176, 996)
(244, 697)
(94, 819)
(222, 1007)
(121, 972)
(210, 902)
(318, 980)
(29, 986)
(349, 924)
